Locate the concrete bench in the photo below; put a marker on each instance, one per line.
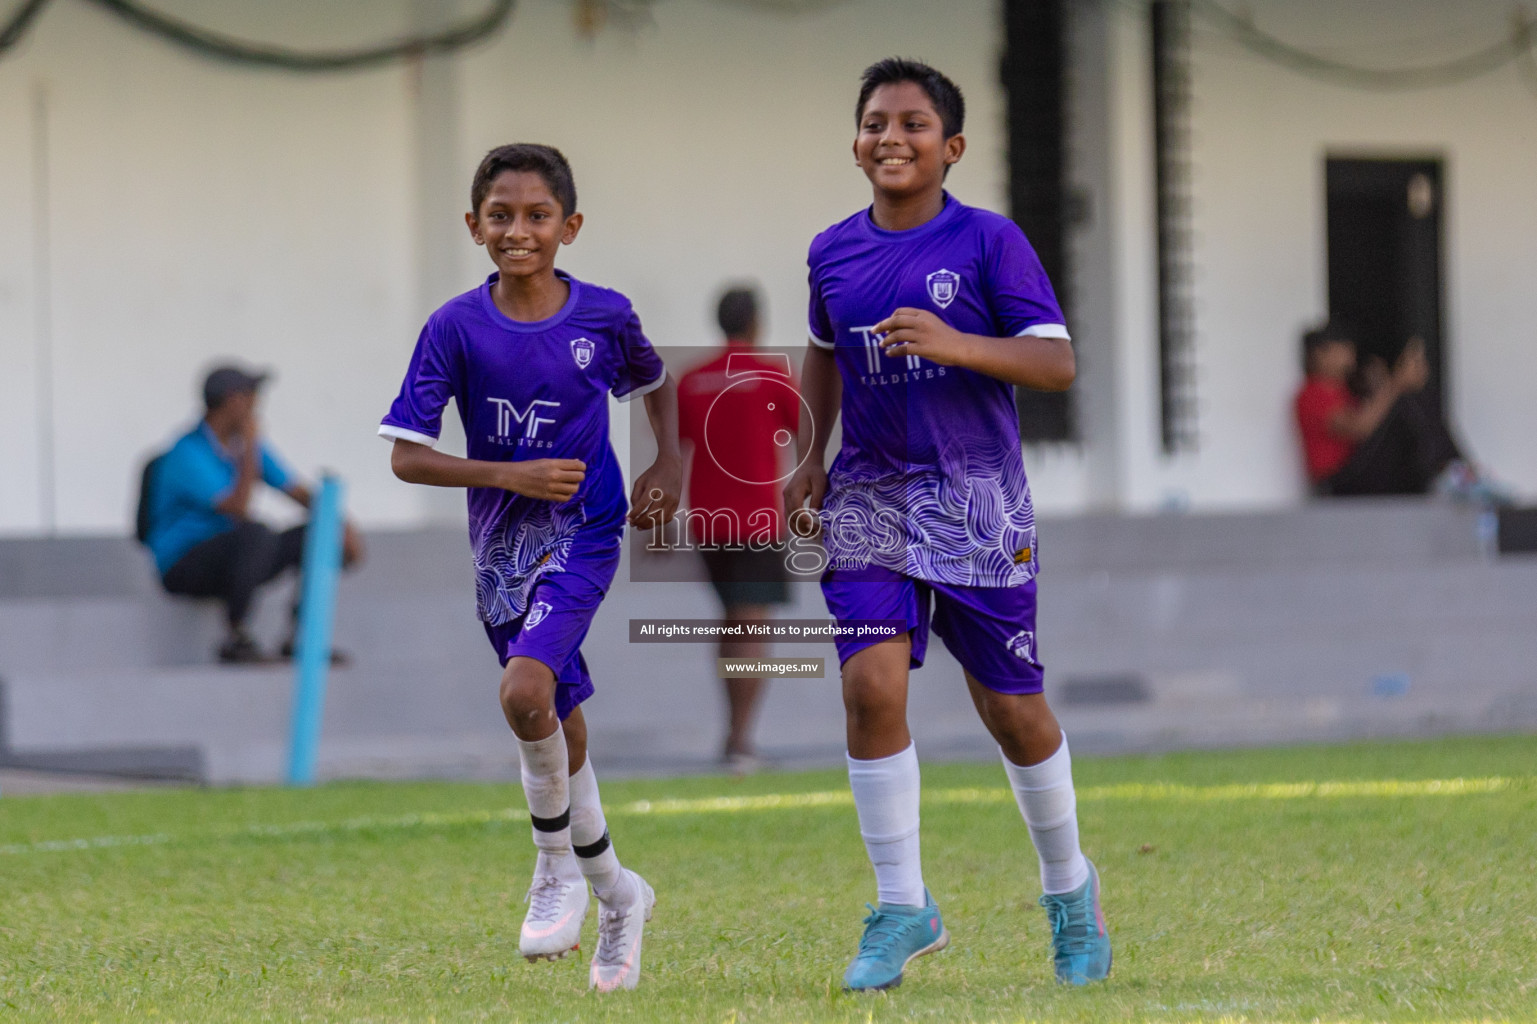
(1328, 622)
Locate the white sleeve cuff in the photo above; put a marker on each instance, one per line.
(1045, 331)
(644, 389)
(819, 343)
(390, 432)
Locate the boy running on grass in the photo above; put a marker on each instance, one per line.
(530, 358)
(925, 313)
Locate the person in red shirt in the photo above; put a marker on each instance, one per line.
(1389, 442)
(739, 413)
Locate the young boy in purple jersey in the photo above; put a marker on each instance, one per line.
(530, 358)
(925, 313)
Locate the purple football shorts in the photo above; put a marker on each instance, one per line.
(551, 630)
(990, 630)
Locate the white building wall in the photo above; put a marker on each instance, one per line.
(201, 210)
(20, 501)
(198, 210)
(1260, 135)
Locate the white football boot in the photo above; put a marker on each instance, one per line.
(616, 964)
(556, 908)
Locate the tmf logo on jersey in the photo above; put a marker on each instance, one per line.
(507, 413)
(582, 350)
(944, 286)
(873, 351)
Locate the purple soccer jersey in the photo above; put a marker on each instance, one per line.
(930, 481)
(535, 390)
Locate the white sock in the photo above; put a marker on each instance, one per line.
(544, 786)
(1045, 796)
(886, 796)
(589, 839)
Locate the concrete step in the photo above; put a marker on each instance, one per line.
(1383, 532)
(1329, 622)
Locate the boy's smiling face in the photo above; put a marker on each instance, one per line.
(522, 225)
(901, 144)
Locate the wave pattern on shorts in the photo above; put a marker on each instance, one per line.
(971, 524)
(511, 554)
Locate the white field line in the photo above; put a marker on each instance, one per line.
(1132, 791)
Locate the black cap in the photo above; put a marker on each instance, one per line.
(224, 381)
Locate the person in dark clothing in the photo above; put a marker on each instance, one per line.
(1392, 441)
(199, 529)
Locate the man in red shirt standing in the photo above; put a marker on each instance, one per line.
(739, 412)
(1389, 442)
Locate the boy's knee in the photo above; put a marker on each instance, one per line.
(527, 693)
(868, 694)
(1026, 709)
(1017, 719)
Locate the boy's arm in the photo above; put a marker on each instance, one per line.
(1042, 364)
(545, 479)
(822, 394)
(654, 499)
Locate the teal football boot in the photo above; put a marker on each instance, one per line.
(1080, 945)
(894, 936)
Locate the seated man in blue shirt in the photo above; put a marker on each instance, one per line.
(204, 542)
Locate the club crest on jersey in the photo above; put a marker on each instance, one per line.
(536, 614)
(1022, 646)
(581, 351)
(944, 286)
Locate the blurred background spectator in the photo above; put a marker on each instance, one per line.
(1369, 431)
(195, 510)
(738, 413)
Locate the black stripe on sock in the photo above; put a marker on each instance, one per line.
(592, 849)
(555, 824)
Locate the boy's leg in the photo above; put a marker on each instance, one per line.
(883, 768)
(1043, 789)
(561, 607)
(589, 828)
(625, 900)
(1040, 771)
(991, 632)
(557, 895)
(884, 776)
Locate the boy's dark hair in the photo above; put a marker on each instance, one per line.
(943, 93)
(1318, 337)
(545, 161)
(737, 312)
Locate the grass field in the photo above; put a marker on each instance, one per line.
(1371, 882)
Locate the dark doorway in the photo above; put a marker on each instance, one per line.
(1385, 258)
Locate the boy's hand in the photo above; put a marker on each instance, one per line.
(545, 479)
(917, 332)
(803, 499)
(655, 497)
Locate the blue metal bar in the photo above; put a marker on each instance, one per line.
(317, 608)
